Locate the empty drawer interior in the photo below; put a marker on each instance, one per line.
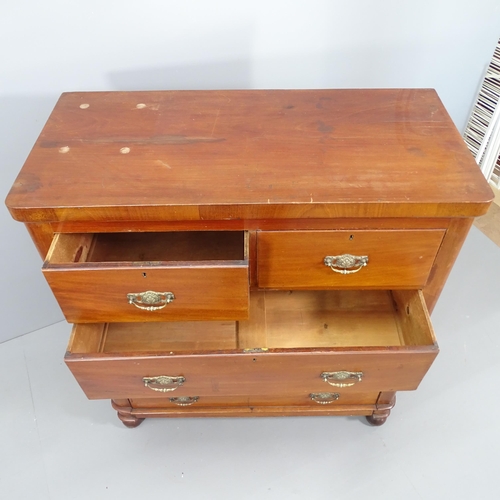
(278, 320)
(149, 247)
(336, 318)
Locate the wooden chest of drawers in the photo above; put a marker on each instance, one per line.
(249, 253)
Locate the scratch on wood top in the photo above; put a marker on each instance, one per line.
(155, 139)
(162, 164)
(215, 122)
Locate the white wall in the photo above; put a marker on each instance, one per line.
(54, 46)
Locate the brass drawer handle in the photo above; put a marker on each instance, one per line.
(184, 400)
(324, 398)
(342, 378)
(345, 264)
(166, 383)
(150, 301)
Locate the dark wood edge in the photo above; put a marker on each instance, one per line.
(386, 401)
(192, 264)
(445, 259)
(346, 224)
(297, 351)
(42, 236)
(376, 414)
(252, 411)
(254, 211)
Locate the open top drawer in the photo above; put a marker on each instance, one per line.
(294, 343)
(150, 276)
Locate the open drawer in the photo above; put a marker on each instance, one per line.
(150, 276)
(294, 344)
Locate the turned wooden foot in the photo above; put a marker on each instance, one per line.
(124, 411)
(385, 403)
(376, 419)
(129, 420)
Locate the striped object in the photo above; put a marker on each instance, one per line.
(482, 134)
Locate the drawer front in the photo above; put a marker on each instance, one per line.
(388, 351)
(95, 279)
(346, 259)
(277, 374)
(333, 398)
(103, 294)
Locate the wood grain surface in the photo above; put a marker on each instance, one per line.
(104, 376)
(92, 275)
(188, 155)
(364, 334)
(448, 253)
(132, 417)
(298, 400)
(213, 194)
(397, 259)
(94, 294)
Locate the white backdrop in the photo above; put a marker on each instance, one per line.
(50, 47)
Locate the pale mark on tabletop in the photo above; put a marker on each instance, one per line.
(162, 164)
(141, 105)
(124, 151)
(84, 106)
(64, 149)
(215, 122)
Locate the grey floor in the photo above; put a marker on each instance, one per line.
(441, 442)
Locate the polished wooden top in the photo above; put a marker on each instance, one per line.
(255, 154)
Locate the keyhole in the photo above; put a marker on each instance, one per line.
(144, 275)
(351, 237)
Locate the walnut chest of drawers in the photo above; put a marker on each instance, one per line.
(249, 253)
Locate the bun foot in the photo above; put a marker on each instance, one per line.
(376, 419)
(124, 411)
(385, 403)
(129, 420)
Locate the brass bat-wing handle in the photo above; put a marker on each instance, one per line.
(163, 383)
(342, 378)
(324, 398)
(346, 263)
(150, 301)
(184, 400)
